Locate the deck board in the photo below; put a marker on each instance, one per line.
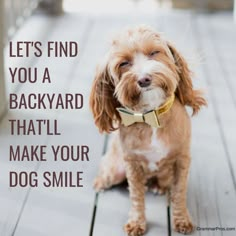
(211, 194)
(53, 202)
(71, 209)
(9, 216)
(220, 82)
(110, 217)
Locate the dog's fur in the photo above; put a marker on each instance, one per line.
(139, 152)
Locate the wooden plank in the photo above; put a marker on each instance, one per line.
(225, 115)
(11, 222)
(71, 209)
(222, 67)
(113, 209)
(224, 106)
(14, 196)
(222, 35)
(211, 193)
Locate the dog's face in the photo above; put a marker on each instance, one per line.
(141, 70)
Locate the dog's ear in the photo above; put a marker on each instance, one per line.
(103, 102)
(185, 92)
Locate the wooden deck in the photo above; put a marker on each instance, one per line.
(80, 212)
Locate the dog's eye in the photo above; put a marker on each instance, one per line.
(123, 64)
(154, 53)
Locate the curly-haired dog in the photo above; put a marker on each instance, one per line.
(141, 91)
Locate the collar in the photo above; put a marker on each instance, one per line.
(151, 117)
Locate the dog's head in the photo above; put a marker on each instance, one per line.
(140, 71)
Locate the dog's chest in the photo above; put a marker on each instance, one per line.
(154, 152)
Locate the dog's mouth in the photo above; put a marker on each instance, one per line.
(147, 89)
(152, 97)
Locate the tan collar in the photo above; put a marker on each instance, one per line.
(151, 117)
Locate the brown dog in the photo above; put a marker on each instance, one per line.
(141, 91)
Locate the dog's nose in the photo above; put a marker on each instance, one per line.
(144, 82)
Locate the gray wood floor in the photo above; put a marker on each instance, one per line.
(209, 41)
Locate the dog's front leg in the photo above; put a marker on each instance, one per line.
(181, 218)
(136, 179)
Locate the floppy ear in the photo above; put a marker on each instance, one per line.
(185, 92)
(103, 102)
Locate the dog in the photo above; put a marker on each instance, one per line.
(139, 93)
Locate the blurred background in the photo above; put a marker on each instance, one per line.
(203, 30)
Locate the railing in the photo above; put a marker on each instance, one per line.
(2, 82)
(12, 14)
(16, 11)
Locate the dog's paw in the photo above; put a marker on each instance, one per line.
(100, 184)
(135, 228)
(184, 226)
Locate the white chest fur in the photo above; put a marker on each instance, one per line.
(155, 152)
